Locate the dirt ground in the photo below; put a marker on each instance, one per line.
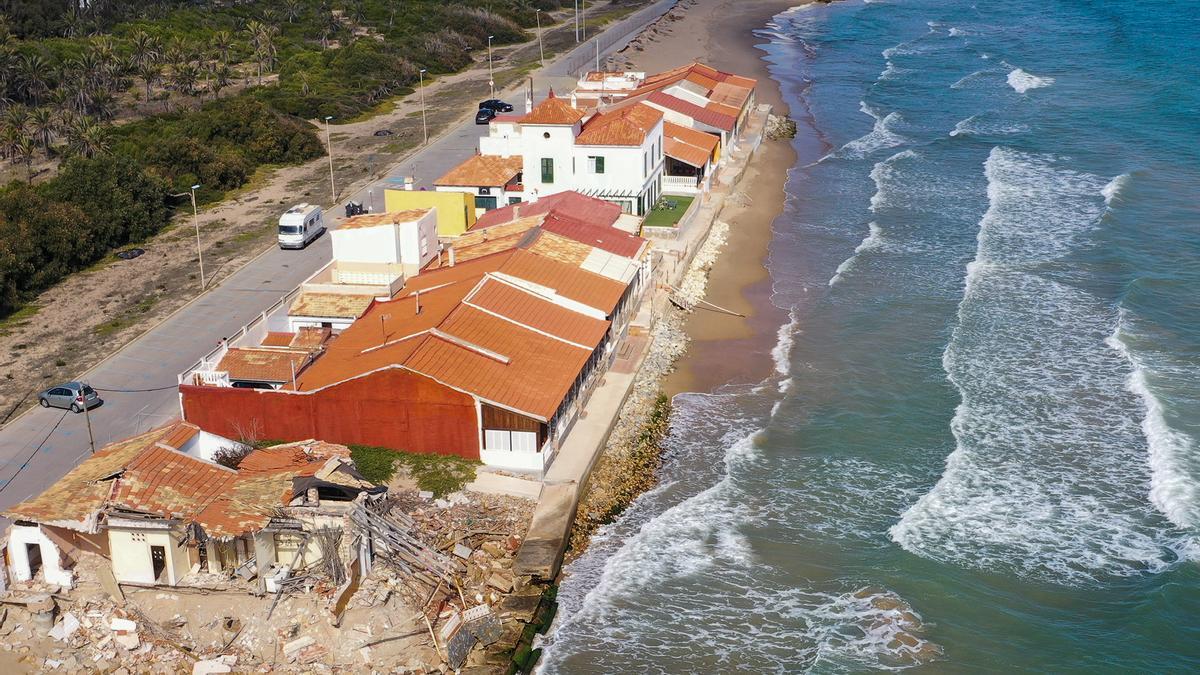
(73, 326)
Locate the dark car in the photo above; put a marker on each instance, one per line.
(484, 115)
(495, 105)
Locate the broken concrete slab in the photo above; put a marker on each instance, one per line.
(292, 648)
(66, 628)
(119, 624)
(210, 666)
(129, 641)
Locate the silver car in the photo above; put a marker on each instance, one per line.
(72, 396)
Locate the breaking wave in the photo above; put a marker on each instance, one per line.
(1022, 81)
(979, 125)
(873, 240)
(1041, 482)
(879, 138)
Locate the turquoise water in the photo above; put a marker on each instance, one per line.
(980, 450)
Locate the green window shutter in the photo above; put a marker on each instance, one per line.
(547, 170)
(599, 165)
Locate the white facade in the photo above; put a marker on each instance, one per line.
(411, 243)
(503, 139)
(26, 542)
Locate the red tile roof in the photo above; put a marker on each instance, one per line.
(626, 126)
(567, 280)
(698, 113)
(569, 203)
(170, 484)
(599, 236)
(482, 170)
(274, 339)
(552, 110)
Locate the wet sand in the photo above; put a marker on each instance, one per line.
(726, 348)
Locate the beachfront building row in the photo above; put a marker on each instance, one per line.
(162, 512)
(488, 352)
(622, 137)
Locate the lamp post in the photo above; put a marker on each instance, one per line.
(424, 128)
(329, 148)
(491, 78)
(196, 224)
(541, 53)
(583, 19)
(576, 21)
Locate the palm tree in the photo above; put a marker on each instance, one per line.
(292, 10)
(222, 41)
(151, 73)
(33, 75)
(144, 47)
(25, 149)
(185, 78)
(89, 138)
(262, 40)
(222, 76)
(42, 126)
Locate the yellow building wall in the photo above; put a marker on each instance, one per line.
(455, 210)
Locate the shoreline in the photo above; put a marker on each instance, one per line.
(739, 280)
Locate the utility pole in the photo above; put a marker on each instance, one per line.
(424, 128)
(541, 53)
(87, 416)
(329, 148)
(576, 21)
(196, 224)
(598, 57)
(491, 75)
(583, 19)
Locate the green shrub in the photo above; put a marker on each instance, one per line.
(440, 474)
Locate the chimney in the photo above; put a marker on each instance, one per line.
(451, 252)
(516, 211)
(312, 497)
(574, 102)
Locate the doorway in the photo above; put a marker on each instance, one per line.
(158, 561)
(33, 553)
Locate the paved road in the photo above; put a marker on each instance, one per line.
(138, 384)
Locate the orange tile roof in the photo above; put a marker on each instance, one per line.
(626, 126)
(540, 314)
(179, 435)
(310, 338)
(567, 280)
(482, 170)
(552, 110)
(290, 456)
(562, 249)
(723, 109)
(265, 365)
(688, 145)
(74, 501)
(536, 377)
(170, 484)
(480, 242)
(330, 305)
(278, 339)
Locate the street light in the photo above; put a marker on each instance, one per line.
(424, 128)
(576, 21)
(329, 148)
(196, 224)
(541, 54)
(491, 78)
(583, 19)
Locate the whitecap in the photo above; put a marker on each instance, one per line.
(871, 242)
(1115, 187)
(979, 125)
(1041, 482)
(1022, 81)
(1171, 453)
(957, 32)
(879, 138)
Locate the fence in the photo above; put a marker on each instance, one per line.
(585, 55)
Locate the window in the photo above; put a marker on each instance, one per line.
(645, 163)
(596, 164)
(547, 170)
(424, 245)
(514, 441)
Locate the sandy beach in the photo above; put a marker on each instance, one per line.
(721, 34)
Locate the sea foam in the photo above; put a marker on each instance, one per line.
(1022, 81)
(1042, 481)
(881, 136)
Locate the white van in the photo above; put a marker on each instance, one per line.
(299, 225)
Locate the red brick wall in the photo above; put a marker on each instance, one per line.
(395, 408)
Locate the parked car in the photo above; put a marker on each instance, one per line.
(71, 396)
(495, 105)
(484, 115)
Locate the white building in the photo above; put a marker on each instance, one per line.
(616, 156)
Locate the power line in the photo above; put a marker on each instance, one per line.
(132, 391)
(25, 464)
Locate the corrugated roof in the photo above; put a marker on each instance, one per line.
(709, 117)
(386, 218)
(624, 127)
(330, 305)
(729, 94)
(600, 236)
(538, 313)
(552, 110)
(568, 203)
(568, 280)
(264, 365)
(278, 339)
(688, 154)
(536, 377)
(482, 170)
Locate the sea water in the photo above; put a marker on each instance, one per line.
(980, 449)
